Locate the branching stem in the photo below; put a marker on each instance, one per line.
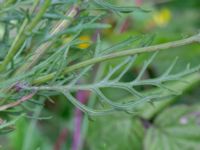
(187, 41)
(159, 47)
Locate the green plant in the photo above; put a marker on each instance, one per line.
(41, 57)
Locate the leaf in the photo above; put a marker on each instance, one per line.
(8, 126)
(176, 128)
(127, 9)
(125, 131)
(121, 45)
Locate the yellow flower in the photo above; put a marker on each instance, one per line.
(162, 17)
(85, 42)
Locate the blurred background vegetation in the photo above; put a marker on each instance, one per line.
(172, 124)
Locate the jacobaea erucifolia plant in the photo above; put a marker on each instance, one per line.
(44, 53)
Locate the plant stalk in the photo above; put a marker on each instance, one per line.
(159, 47)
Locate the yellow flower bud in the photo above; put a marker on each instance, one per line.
(85, 42)
(162, 17)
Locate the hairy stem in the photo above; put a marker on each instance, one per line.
(159, 47)
(190, 40)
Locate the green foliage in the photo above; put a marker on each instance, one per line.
(127, 133)
(175, 128)
(107, 6)
(52, 50)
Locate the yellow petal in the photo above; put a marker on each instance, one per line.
(86, 42)
(162, 17)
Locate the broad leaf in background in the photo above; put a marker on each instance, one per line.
(127, 133)
(176, 128)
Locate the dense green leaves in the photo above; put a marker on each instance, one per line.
(50, 50)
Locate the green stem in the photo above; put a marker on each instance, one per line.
(159, 47)
(39, 15)
(190, 40)
(21, 37)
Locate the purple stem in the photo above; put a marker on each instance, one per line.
(81, 96)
